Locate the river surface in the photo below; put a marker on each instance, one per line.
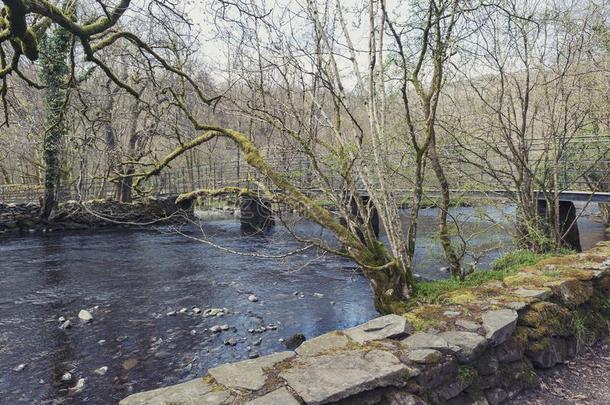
(131, 280)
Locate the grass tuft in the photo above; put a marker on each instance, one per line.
(428, 292)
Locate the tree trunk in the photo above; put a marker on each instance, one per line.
(388, 287)
(54, 75)
(604, 209)
(443, 228)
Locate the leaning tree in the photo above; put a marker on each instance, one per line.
(351, 131)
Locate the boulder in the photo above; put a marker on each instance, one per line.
(547, 352)
(328, 378)
(547, 319)
(471, 344)
(85, 315)
(247, 374)
(425, 356)
(424, 340)
(513, 348)
(384, 327)
(496, 396)
(294, 341)
(101, 371)
(499, 325)
(573, 293)
(468, 325)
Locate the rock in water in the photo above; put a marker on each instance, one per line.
(230, 342)
(101, 370)
(130, 363)
(253, 298)
(80, 384)
(67, 376)
(85, 315)
(294, 341)
(19, 368)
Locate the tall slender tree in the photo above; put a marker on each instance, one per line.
(54, 74)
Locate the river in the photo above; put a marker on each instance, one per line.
(131, 280)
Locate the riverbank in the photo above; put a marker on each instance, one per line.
(481, 345)
(75, 215)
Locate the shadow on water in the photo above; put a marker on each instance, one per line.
(131, 281)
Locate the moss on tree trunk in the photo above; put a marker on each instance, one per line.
(54, 75)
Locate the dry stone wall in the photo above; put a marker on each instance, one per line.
(481, 346)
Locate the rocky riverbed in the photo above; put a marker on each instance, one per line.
(157, 302)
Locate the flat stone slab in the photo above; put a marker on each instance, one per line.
(452, 314)
(248, 374)
(424, 340)
(536, 294)
(327, 378)
(517, 305)
(322, 343)
(499, 325)
(384, 327)
(280, 396)
(425, 356)
(468, 325)
(472, 344)
(194, 392)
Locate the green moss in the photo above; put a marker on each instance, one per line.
(425, 317)
(528, 280)
(435, 291)
(547, 319)
(465, 373)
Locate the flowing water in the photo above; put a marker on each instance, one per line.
(130, 281)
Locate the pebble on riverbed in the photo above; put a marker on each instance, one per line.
(214, 312)
(67, 376)
(19, 368)
(80, 384)
(230, 342)
(85, 315)
(101, 370)
(252, 298)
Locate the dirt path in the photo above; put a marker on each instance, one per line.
(582, 381)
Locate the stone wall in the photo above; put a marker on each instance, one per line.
(482, 346)
(19, 218)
